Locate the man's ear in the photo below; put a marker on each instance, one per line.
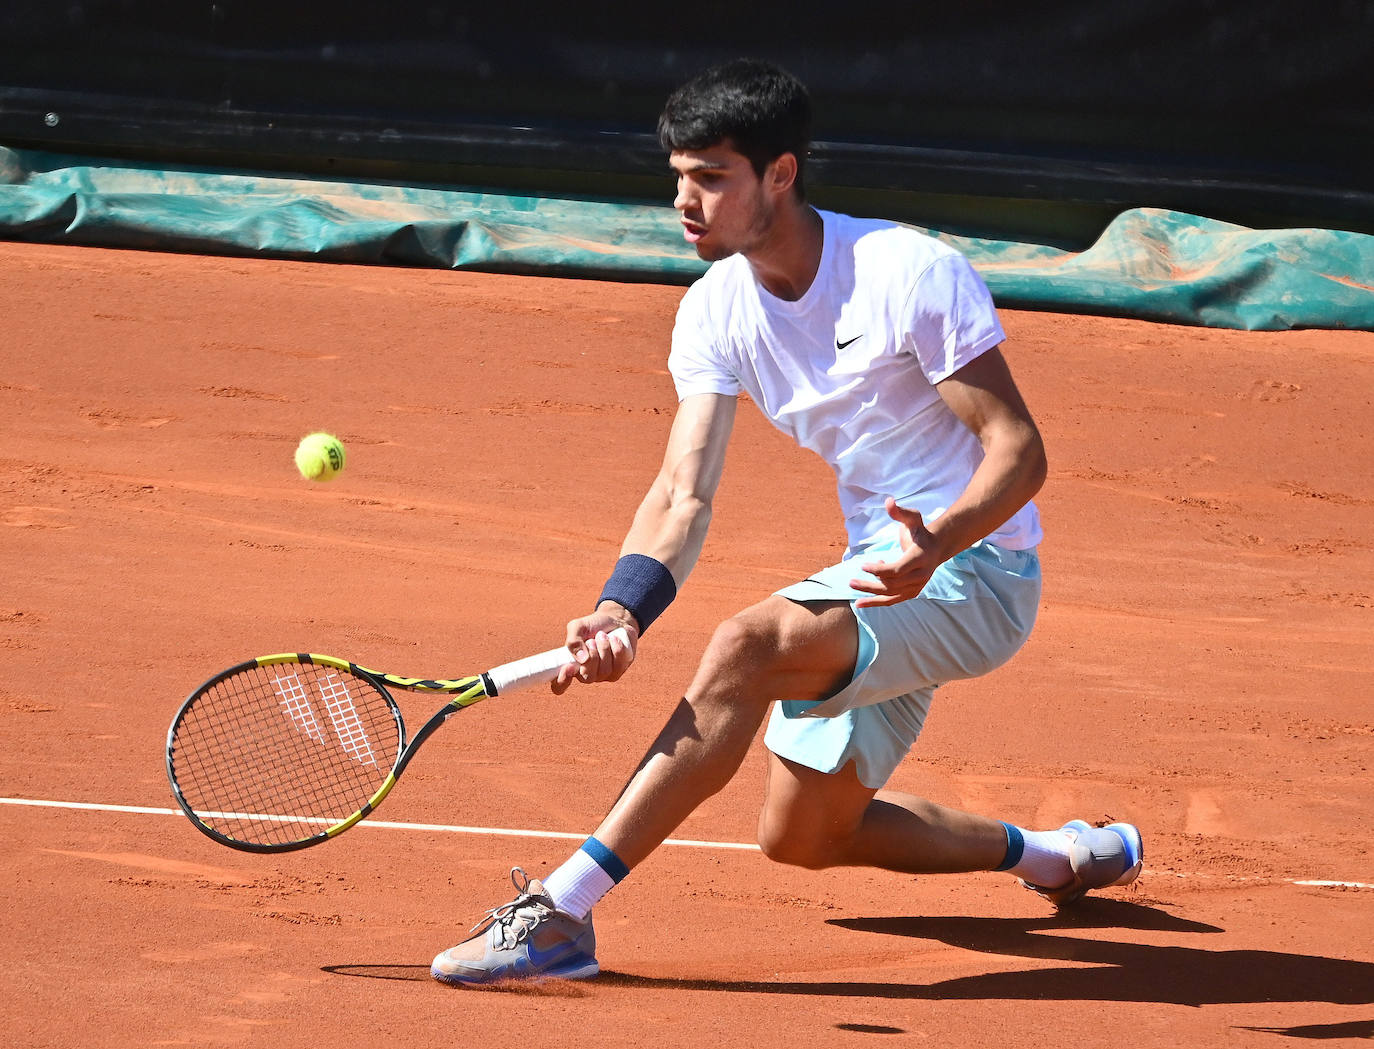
(781, 173)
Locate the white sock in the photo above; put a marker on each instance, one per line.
(1039, 856)
(587, 875)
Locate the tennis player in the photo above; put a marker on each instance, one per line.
(878, 348)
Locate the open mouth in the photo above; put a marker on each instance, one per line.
(692, 231)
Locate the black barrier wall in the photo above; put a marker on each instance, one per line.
(1259, 112)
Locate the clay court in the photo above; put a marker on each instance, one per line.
(1201, 668)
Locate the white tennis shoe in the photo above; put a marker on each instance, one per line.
(526, 939)
(1098, 857)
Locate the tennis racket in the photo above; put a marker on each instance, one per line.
(290, 750)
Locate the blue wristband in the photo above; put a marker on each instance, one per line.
(642, 585)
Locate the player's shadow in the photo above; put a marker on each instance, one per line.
(1106, 970)
(1117, 971)
(1103, 970)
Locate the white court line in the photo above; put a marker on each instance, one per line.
(444, 828)
(1335, 884)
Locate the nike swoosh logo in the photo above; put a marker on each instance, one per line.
(556, 953)
(841, 345)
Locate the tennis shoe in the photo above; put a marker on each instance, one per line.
(1098, 857)
(526, 939)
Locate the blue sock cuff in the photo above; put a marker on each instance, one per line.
(1016, 845)
(606, 860)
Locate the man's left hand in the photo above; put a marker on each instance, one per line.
(891, 582)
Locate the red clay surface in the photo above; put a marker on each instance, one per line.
(1201, 668)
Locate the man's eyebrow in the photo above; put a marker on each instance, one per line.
(699, 165)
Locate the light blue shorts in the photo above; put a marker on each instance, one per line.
(973, 615)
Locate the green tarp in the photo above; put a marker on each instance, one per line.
(1148, 263)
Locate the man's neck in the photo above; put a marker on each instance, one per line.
(785, 263)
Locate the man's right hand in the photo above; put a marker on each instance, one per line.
(596, 655)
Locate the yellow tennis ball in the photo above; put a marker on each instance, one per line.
(320, 457)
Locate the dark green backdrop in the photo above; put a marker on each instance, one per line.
(1043, 119)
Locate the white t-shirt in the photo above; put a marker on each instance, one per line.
(848, 370)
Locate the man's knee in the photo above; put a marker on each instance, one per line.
(786, 843)
(809, 818)
(747, 641)
(786, 650)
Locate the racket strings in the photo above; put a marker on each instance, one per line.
(275, 754)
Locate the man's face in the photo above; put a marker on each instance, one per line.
(724, 207)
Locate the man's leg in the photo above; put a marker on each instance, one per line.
(818, 819)
(831, 819)
(777, 648)
(825, 806)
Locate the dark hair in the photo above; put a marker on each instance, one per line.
(763, 110)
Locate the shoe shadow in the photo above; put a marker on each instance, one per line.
(1102, 970)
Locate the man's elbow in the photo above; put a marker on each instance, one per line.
(1020, 447)
(1037, 467)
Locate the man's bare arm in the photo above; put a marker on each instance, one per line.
(985, 398)
(670, 526)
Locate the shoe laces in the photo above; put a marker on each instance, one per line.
(515, 921)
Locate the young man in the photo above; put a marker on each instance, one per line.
(877, 348)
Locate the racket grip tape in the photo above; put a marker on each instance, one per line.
(535, 670)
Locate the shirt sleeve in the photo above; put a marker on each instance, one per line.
(694, 362)
(950, 318)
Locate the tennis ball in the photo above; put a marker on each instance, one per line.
(320, 457)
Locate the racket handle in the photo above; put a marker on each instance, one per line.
(535, 670)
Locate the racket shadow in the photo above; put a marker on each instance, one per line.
(420, 974)
(414, 973)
